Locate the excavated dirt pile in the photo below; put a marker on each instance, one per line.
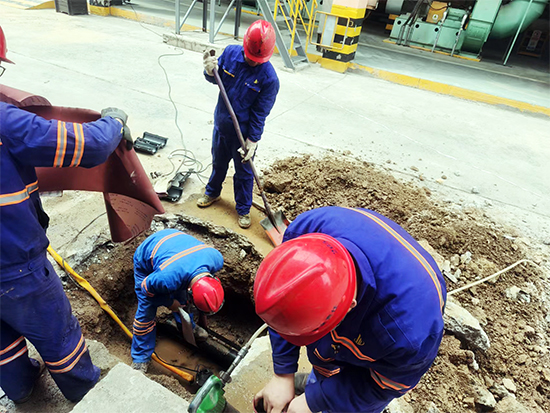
(512, 374)
(513, 311)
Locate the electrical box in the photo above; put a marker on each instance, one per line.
(437, 9)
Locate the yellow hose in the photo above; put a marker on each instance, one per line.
(86, 285)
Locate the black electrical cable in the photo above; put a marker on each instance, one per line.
(413, 14)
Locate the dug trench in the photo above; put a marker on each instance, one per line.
(468, 245)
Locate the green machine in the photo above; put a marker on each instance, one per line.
(464, 29)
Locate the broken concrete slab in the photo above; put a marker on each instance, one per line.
(127, 390)
(465, 326)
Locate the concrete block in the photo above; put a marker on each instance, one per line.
(101, 356)
(125, 390)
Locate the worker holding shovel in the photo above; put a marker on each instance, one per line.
(174, 270)
(252, 86)
(364, 297)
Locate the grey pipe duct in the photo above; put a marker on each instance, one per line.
(510, 16)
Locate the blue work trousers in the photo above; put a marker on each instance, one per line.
(223, 150)
(144, 329)
(35, 307)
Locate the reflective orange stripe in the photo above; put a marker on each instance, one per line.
(182, 254)
(13, 345)
(346, 342)
(139, 323)
(70, 366)
(144, 286)
(386, 383)
(57, 363)
(18, 354)
(61, 144)
(326, 372)
(19, 196)
(78, 144)
(316, 352)
(411, 249)
(175, 234)
(142, 333)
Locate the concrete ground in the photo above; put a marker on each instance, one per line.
(468, 153)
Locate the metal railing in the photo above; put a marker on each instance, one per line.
(236, 4)
(298, 12)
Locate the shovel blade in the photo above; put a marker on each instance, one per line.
(276, 229)
(187, 327)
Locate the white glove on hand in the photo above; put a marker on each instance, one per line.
(250, 150)
(210, 63)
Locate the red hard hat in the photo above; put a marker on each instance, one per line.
(208, 294)
(259, 41)
(305, 287)
(3, 48)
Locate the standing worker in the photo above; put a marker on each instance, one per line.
(174, 270)
(364, 297)
(252, 86)
(33, 305)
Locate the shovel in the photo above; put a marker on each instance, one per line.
(275, 224)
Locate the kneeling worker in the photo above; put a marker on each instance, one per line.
(174, 270)
(364, 297)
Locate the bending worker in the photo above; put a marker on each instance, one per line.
(252, 86)
(174, 270)
(33, 305)
(364, 297)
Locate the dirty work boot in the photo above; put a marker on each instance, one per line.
(141, 366)
(244, 221)
(206, 200)
(41, 367)
(200, 333)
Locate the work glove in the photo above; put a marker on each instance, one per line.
(123, 118)
(249, 151)
(210, 63)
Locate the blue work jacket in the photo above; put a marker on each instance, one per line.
(251, 90)
(388, 341)
(28, 141)
(167, 261)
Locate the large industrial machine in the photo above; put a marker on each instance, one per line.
(460, 27)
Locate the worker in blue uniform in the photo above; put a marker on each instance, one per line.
(364, 297)
(172, 269)
(252, 86)
(33, 305)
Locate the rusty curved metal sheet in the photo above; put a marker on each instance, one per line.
(130, 200)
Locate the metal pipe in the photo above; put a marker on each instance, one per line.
(177, 16)
(509, 16)
(211, 32)
(184, 17)
(440, 28)
(517, 33)
(464, 18)
(224, 17)
(238, 12)
(204, 14)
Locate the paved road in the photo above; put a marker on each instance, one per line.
(94, 62)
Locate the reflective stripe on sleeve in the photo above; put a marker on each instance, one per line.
(19, 196)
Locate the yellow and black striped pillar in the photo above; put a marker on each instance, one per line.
(354, 10)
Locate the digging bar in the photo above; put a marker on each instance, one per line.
(276, 223)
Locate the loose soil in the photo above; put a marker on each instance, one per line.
(517, 328)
